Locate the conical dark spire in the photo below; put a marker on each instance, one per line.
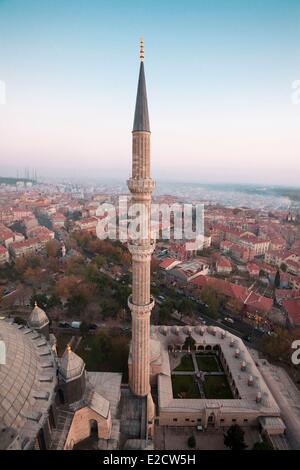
(141, 115)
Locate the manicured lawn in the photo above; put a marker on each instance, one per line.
(186, 364)
(185, 386)
(62, 341)
(104, 353)
(207, 363)
(217, 387)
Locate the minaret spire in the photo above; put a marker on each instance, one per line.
(141, 115)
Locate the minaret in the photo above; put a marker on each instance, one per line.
(140, 302)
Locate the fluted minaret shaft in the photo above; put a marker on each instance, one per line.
(141, 187)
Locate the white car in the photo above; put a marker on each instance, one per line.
(229, 320)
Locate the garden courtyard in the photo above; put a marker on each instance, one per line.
(199, 375)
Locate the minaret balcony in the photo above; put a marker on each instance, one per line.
(144, 185)
(141, 310)
(141, 251)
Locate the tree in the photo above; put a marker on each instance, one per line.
(77, 302)
(67, 285)
(32, 276)
(234, 438)
(186, 307)
(191, 442)
(75, 265)
(53, 248)
(189, 343)
(277, 279)
(54, 301)
(235, 306)
(84, 328)
(164, 313)
(264, 445)
(20, 265)
(99, 260)
(212, 300)
(283, 267)
(109, 307)
(278, 345)
(40, 299)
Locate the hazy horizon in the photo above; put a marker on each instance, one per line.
(219, 80)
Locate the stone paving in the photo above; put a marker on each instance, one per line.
(175, 438)
(287, 396)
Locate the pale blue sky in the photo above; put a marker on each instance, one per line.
(219, 76)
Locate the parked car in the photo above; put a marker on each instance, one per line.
(64, 324)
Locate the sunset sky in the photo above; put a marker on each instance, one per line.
(219, 78)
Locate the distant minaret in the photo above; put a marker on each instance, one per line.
(140, 302)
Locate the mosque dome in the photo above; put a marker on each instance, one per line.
(38, 318)
(27, 380)
(71, 365)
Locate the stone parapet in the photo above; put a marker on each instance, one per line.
(145, 185)
(141, 310)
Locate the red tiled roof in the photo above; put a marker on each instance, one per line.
(25, 243)
(223, 263)
(167, 262)
(240, 293)
(286, 294)
(292, 307)
(253, 267)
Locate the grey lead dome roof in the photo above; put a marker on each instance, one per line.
(38, 317)
(27, 379)
(71, 366)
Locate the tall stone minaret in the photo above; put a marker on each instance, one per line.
(140, 302)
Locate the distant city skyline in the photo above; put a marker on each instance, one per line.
(219, 78)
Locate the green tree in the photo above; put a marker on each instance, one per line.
(77, 303)
(40, 299)
(210, 297)
(84, 328)
(189, 343)
(264, 445)
(99, 260)
(283, 267)
(110, 308)
(186, 307)
(277, 279)
(54, 301)
(234, 438)
(191, 442)
(164, 313)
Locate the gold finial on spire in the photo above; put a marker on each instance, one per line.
(69, 348)
(142, 52)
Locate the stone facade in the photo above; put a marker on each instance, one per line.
(83, 421)
(140, 302)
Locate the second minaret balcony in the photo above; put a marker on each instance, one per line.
(145, 185)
